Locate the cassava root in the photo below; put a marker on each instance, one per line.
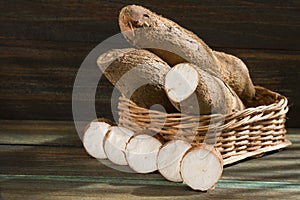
(195, 91)
(145, 29)
(138, 74)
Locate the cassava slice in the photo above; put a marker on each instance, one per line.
(115, 142)
(201, 167)
(145, 29)
(195, 91)
(138, 74)
(169, 157)
(141, 153)
(93, 137)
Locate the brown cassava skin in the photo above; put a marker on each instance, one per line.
(213, 95)
(138, 75)
(235, 75)
(145, 29)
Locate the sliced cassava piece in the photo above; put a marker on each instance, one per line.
(145, 29)
(115, 142)
(141, 152)
(169, 158)
(93, 137)
(201, 167)
(138, 75)
(195, 91)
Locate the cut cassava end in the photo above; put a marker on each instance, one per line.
(115, 142)
(195, 91)
(141, 153)
(169, 158)
(201, 167)
(175, 44)
(93, 137)
(138, 74)
(181, 82)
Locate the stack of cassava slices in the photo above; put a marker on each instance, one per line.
(210, 112)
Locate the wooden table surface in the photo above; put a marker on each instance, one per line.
(46, 160)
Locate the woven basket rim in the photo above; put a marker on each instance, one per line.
(280, 102)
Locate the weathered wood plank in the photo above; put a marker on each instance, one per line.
(39, 133)
(45, 160)
(281, 166)
(77, 190)
(66, 189)
(41, 172)
(235, 24)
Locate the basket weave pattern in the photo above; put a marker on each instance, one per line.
(233, 134)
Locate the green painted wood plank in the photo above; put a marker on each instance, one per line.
(223, 183)
(53, 189)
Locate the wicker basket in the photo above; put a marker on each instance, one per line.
(239, 135)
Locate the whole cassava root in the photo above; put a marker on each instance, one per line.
(195, 91)
(145, 29)
(138, 74)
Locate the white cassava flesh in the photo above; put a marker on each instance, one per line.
(115, 143)
(169, 157)
(195, 91)
(93, 138)
(181, 82)
(201, 167)
(141, 153)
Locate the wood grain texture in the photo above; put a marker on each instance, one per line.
(43, 44)
(39, 133)
(235, 24)
(65, 189)
(44, 170)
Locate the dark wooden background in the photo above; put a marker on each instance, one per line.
(44, 42)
